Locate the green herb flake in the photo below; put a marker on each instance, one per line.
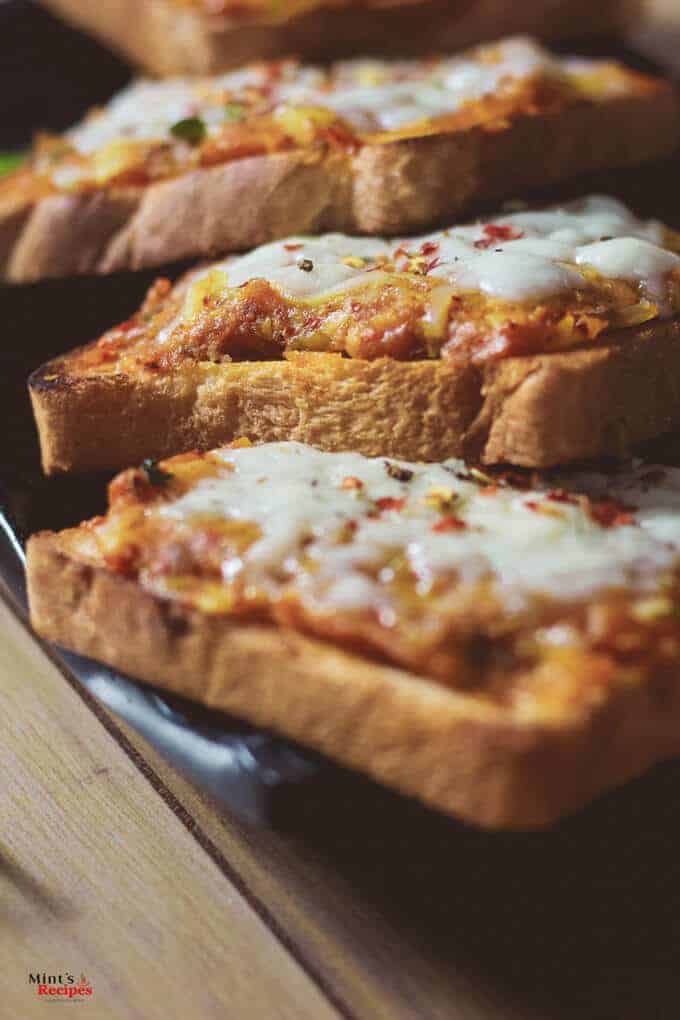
(10, 161)
(400, 474)
(191, 130)
(234, 112)
(481, 477)
(156, 475)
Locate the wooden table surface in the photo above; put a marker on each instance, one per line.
(113, 865)
(106, 869)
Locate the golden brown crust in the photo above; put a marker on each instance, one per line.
(552, 409)
(408, 409)
(388, 188)
(533, 411)
(65, 235)
(450, 749)
(165, 40)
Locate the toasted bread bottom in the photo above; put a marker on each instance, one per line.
(531, 411)
(166, 40)
(452, 750)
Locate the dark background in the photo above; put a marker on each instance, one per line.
(49, 75)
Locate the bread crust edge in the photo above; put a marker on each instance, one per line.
(537, 411)
(159, 37)
(447, 748)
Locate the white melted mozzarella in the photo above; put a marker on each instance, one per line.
(146, 110)
(547, 246)
(448, 85)
(512, 276)
(303, 267)
(370, 95)
(630, 258)
(544, 255)
(295, 494)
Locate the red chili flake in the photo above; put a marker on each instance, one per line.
(129, 324)
(350, 482)
(340, 137)
(433, 265)
(429, 247)
(489, 490)
(561, 496)
(292, 247)
(390, 503)
(532, 504)
(494, 232)
(275, 69)
(123, 562)
(235, 9)
(609, 514)
(449, 523)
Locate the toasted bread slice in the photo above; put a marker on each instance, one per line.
(168, 37)
(179, 169)
(504, 341)
(502, 653)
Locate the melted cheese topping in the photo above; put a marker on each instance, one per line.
(370, 95)
(528, 543)
(519, 257)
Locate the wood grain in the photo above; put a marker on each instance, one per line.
(379, 968)
(98, 875)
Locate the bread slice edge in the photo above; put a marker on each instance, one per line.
(158, 36)
(537, 411)
(450, 749)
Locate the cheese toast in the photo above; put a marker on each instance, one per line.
(535, 338)
(185, 168)
(503, 647)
